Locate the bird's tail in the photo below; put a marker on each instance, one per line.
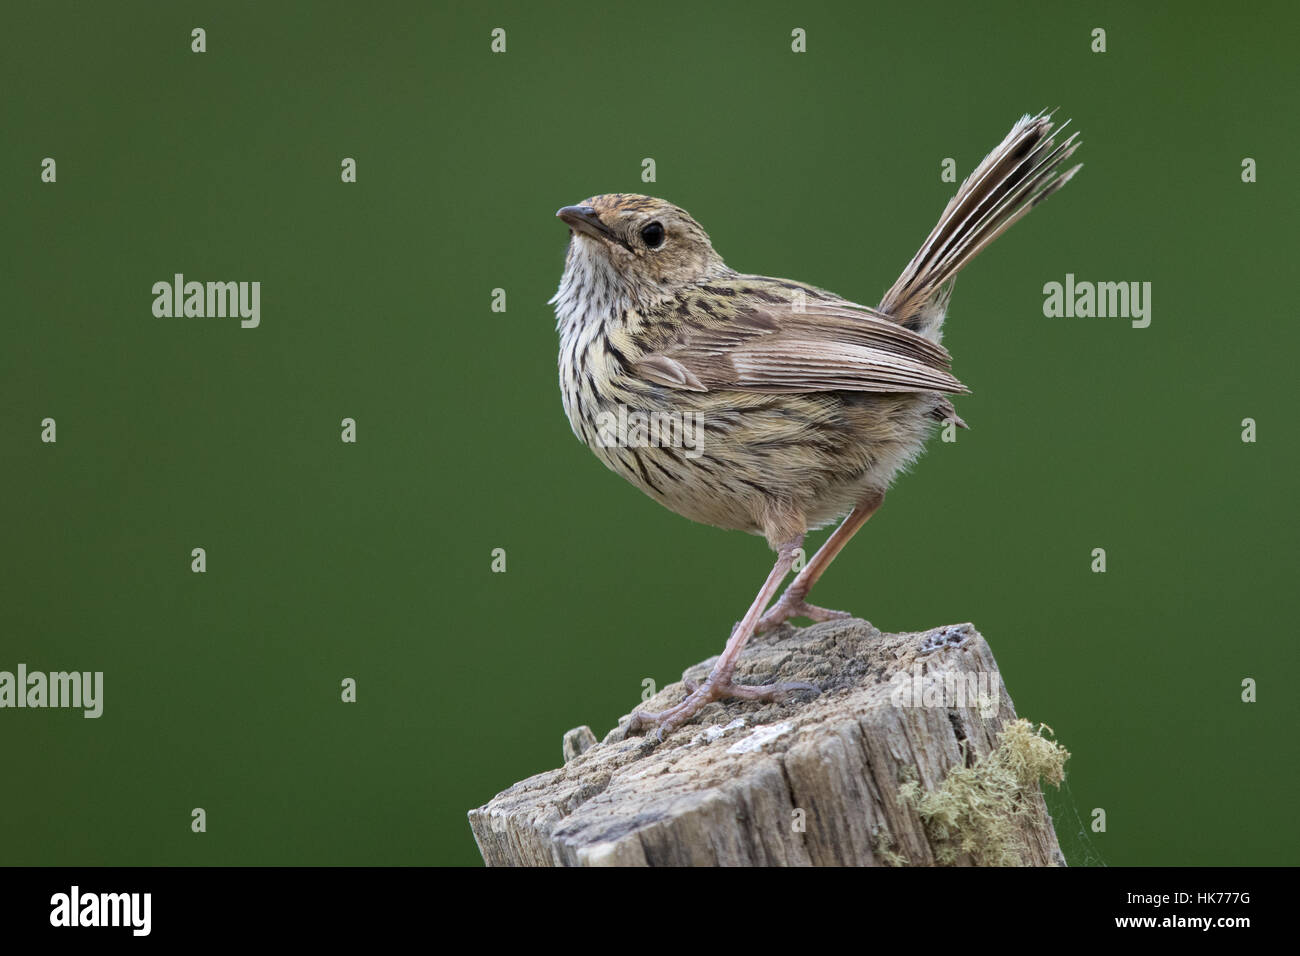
(1020, 173)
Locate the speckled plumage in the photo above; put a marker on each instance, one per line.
(810, 404)
(766, 452)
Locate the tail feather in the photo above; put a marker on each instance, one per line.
(1019, 174)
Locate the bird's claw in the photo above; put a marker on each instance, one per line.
(698, 695)
(785, 609)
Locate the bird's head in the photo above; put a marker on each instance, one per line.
(647, 245)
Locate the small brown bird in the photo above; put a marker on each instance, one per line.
(767, 405)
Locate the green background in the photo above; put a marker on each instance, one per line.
(328, 560)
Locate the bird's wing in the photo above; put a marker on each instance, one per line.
(748, 333)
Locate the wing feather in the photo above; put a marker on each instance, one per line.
(815, 342)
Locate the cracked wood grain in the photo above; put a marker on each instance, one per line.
(809, 782)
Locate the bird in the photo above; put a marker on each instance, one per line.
(801, 407)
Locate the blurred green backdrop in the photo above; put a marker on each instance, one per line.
(329, 560)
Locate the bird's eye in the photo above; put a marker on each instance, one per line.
(653, 235)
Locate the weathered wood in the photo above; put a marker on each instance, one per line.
(882, 768)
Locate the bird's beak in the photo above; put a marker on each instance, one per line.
(585, 220)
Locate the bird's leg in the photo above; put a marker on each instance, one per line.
(718, 684)
(792, 603)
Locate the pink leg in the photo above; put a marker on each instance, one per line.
(792, 603)
(719, 685)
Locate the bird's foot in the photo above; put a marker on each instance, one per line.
(666, 721)
(786, 608)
